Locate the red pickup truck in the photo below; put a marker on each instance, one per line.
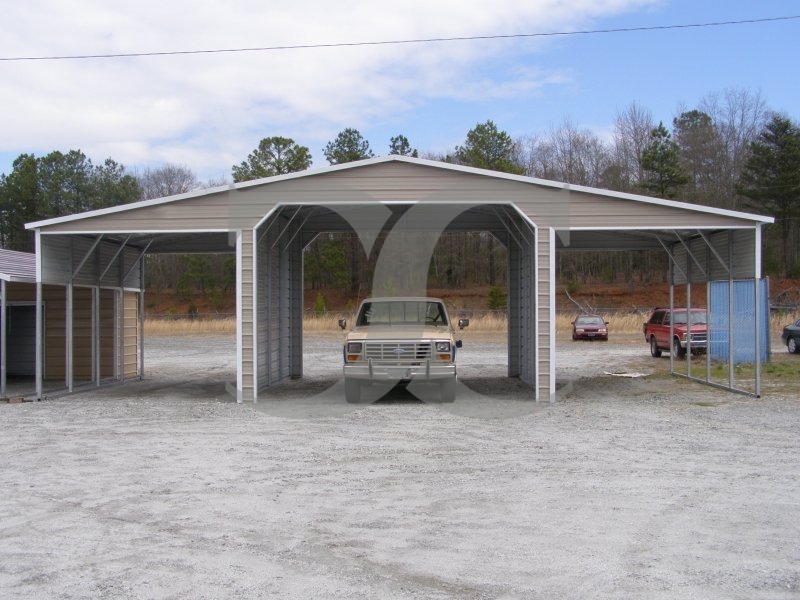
(689, 331)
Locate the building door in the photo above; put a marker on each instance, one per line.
(21, 340)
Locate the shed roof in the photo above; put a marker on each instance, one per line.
(17, 266)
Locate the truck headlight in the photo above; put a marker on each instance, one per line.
(442, 346)
(354, 350)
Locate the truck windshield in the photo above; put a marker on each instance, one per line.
(698, 317)
(401, 312)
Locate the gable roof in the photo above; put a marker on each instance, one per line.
(373, 163)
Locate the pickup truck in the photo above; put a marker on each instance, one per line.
(693, 336)
(406, 341)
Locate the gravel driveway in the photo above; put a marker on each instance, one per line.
(645, 487)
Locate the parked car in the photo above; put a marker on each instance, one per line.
(791, 337)
(590, 327)
(400, 341)
(689, 331)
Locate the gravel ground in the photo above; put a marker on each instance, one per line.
(652, 487)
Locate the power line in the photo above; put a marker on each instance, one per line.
(407, 41)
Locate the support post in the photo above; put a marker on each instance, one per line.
(757, 306)
(96, 334)
(70, 341)
(39, 336)
(141, 333)
(3, 332)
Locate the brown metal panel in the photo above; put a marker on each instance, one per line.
(82, 333)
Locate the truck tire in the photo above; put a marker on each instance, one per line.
(792, 345)
(655, 352)
(677, 351)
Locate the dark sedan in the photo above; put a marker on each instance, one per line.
(791, 337)
(590, 327)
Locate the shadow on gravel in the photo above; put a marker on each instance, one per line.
(488, 398)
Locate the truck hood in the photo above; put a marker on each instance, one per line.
(399, 332)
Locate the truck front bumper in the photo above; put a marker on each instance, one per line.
(428, 371)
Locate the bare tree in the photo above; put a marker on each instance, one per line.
(567, 154)
(166, 181)
(632, 129)
(738, 115)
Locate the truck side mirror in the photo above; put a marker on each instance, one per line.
(463, 323)
(342, 323)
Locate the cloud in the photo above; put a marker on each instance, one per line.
(209, 110)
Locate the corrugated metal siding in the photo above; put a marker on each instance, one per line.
(546, 345)
(18, 265)
(204, 212)
(82, 334)
(247, 340)
(280, 299)
(130, 331)
(515, 321)
(62, 255)
(262, 317)
(243, 208)
(736, 247)
(108, 308)
(743, 318)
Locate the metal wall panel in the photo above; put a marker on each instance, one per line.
(742, 321)
(736, 247)
(280, 300)
(62, 255)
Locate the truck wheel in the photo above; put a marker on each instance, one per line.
(677, 351)
(654, 351)
(352, 391)
(448, 390)
(792, 345)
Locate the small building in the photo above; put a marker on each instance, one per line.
(86, 335)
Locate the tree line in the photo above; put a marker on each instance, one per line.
(730, 151)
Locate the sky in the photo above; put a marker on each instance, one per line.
(208, 110)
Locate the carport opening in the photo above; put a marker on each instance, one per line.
(466, 262)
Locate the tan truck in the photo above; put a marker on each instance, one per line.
(405, 341)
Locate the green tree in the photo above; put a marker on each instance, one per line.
(400, 145)
(771, 180)
(661, 164)
(700, 151)
(497, 298)
(19, 202)
(58, 184)
(348, 146)
(274, 156)
(488, 148)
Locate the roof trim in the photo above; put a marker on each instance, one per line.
(397, 158)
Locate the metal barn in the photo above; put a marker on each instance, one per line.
(268, 222)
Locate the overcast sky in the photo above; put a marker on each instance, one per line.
(207, 111)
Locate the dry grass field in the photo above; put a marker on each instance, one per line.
(629, 323)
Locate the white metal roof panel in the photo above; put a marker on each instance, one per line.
(17, 266)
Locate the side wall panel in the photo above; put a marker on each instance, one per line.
(546, 344)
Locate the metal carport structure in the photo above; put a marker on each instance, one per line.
(268, 222)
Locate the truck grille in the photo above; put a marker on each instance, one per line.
(698, 338)
(397, 352)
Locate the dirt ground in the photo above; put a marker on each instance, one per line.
(626, 487)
